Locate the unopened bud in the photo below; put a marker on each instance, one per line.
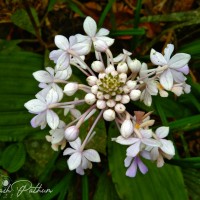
(131, 84)
(135, 95)
(70, 88)
(100, 45)
(101, 75)
(118, 97)
(100, 95)
(91, 80)
(90, 98)
(122, 67)
(126, 128)
(120, 108)
(126, 89)
(109, 69)
(134, 65)
(122, 77)
(101, 104)
(71, 133)
(98, 66)
(94, 89)
(109, 115)
(125, 99)
(110, 103)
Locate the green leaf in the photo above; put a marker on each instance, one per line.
(165, 183)
(13, 157)
(9, 46)
(105, 188)
(20, 18)
(135, 31)
(193, 162)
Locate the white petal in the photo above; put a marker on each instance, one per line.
(167, 147)
(63, 62)
(145, 154)
(58, 90)
(81, 48)
(118, 58)
(74, 160)
(50, 70)
(162, 131)
(90, 26)
(68, 151)
(55, 54)
(35, 106)
(154, 153)
(102, 32)
(43, 76)
(38, 120)
(61, 42)
(52, 96)
(166, 79)
(151, 142)
(157, 58)
(52, 119)
(75, 113)
(100, 45)
(185, 70)
(152, 87)
(126, 141)
(92, 155)
(107, 40)
(41, 95)
(81, 38)
(127, 161)
(179, 60)
(133, 150)
(76, 144)
(178, 76)
(72, 40)
(64, 74)
(168, 51)
(146, 133)
(80, 170)
(57, 136)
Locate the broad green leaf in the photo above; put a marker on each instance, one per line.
(9, 46)
(165, 183)
(105, 188)
(193, 162)
(13, 157)
(21, 19)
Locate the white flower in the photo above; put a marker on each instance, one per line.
(98, 38)
(173, 68)
(166, 149)
(56, 137)
(42, 107)
(62, 56)
(80, 159)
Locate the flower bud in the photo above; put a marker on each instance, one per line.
(120, 108)
(94, 89)
(122, 77)
(135, 95)
(98, 66)
(134, 65)
(125, 99)
(118, 97)
(122, 67)
(100, 95)
(71, 133)
(109, 115)
(109, 69)
(126, 128)
(110, 103)
(126, 89)
(70, 88)
(90, 98)
(131, 84)
(91, 80)
(101, 104)
(101, 75)
(114, 73)
(106, 96)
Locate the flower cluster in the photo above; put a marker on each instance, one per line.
(111, 85)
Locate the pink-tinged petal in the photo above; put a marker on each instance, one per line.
(150, 142)
(92, 155)
(133, 150)
(76, 144)
(100, 45)
(52, 119)
(179, 60)
(157, 58)
(107, 40)
(61, 42)
(35, 106)
(57, 136)
(90, 26)
(185, 70)
(168, 51)
(75, 113)
(187, 88)
(80, 170)
(81, 38)
(146, 154)
(167, 147)
(143, 168)
(52, 96)
(177, 90)
(63, 62)
(166, 79)
(68, 151)
(81, 48)
(74, 160)
(160, 161)
(43, 76)
(38, 120)
(154, 153)
(132, 170)
(64, 74)
(55, 54)
(178, 76)
(126, 141)
(127, 161)
(102, 32)
(162, 131)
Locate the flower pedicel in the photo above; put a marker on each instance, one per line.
(110, 87)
